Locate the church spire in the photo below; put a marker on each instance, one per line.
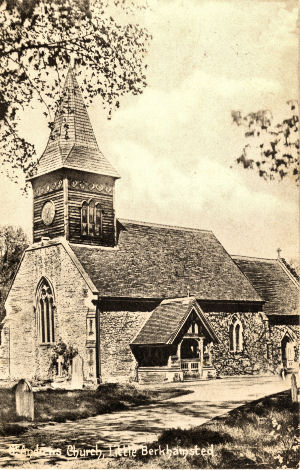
(72, 142)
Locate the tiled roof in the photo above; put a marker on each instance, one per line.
(155, 261)
(167, 320)
(72, 142)
(273, 282)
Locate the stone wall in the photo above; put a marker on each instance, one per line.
(253, 358)
(117, 330)
(277, 332)
(22, 355)
(73, 300)
(4, 352)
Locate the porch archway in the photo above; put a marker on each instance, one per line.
(189, 349)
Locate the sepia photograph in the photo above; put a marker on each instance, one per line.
(149, 234)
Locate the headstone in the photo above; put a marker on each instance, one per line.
(60, 361)
(24, 400)
(77, 373)
(294, 389)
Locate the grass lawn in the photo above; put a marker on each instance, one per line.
(261, 434)
(62, 405)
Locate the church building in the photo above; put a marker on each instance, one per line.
(139, 301)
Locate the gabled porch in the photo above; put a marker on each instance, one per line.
(175, 344)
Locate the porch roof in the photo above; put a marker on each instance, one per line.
(168, 318)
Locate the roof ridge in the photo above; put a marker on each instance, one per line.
(252, 258)
(178, 299)
(66, 157)
(94, 247)
(154, 224)
(287, 269)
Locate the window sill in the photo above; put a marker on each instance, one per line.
(46, 344)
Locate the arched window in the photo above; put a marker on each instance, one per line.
(91, 219)
(84, 218)
(45, 304)
(231, 337)
(236, 336)
(98, 220)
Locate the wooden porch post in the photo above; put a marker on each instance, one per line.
(179, 351)
(210, 346)
(200, 342)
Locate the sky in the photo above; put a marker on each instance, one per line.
(175, 145)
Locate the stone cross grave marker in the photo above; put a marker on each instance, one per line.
(294, 391)
(60, 361)
(77, 373)
(24, 400)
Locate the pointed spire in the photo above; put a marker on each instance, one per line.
(72, 142)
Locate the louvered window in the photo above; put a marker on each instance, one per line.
(91, 219)
(84, 218)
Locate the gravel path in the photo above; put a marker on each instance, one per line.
(125, 431)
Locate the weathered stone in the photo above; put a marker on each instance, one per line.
(24, 400)
(70, 316)
(294, 391)
(76, 325)
(77, 373)
(252, 358)
(117, 330)
(60, 361)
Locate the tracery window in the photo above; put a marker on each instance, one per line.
(91, 219)
(45, 308)
(236, 336)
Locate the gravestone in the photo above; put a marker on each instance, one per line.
(24, 400)
(294, 391)
(77, 373)
(60, 361)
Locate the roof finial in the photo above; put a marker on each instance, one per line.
(279, 250)
(188, 291)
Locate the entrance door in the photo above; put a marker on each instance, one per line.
(287, 352)
(190, 357)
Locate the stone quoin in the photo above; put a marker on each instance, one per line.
(136, 301)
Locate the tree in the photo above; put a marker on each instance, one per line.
(13, 242)
(39, 38)
(273, 148)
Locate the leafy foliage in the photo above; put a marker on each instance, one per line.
(13, 241)
(67, 353)
(275, 146)
(38, 41)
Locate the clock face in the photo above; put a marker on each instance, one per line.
(48, 212)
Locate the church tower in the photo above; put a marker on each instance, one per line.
(73, 188)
